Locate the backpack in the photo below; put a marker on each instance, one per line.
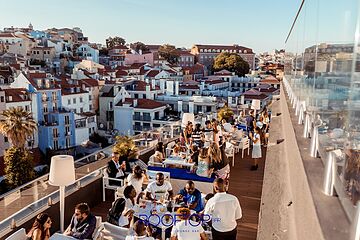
(115, 211)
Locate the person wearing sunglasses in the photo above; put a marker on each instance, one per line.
(82, 223)
(41, 228)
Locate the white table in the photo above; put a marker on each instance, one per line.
(177, 161)
(153, 218)
(59, 236)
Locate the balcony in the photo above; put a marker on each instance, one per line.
(142, 118)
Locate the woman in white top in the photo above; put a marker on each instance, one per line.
(256, 151)
(127, 214)
(136, 179)
(141, 232)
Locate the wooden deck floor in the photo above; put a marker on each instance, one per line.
(245, 184)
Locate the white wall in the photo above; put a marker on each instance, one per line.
(123, 119)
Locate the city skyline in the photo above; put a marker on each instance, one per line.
(154, 22)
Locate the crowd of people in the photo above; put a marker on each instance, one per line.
(206, 147)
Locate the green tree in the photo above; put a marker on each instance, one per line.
(17, 124)
(225, 113)
(169, 52)
(137, 46)
(114, 41)
(125, 146)
(231, 62)
(18, 166)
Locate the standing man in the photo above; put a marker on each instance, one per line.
(224, 210)
(82, 224)
(250, 121)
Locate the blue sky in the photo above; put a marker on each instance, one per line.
(258, 24)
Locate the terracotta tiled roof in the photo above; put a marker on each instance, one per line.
(254, 94)
(121, 73)
(143, 103)
(222, 73)
(90, 82)
(136, 65)
(270, 80)
(152, 73)
(214, 82)
(141, 86)
(17, 94)
(8, 35)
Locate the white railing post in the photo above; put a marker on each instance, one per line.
(329, 175)
(314, 142)
(355, 225)
(307, 125)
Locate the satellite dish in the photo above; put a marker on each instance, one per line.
(101, 125)
(115, 132)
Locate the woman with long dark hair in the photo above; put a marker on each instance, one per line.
(41, 228)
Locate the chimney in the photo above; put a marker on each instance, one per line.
(135, 102)
(148, 92)
(162, 85)
(147, 80)
(83, 87)
(153, 85)
(242, 99)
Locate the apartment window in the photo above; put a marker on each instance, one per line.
(2, 99)
(198, 109)
(81, 99)
(208, 108)
(90, 107)
(89, 130)
(201, 50)
(69, 101)
(74, 100)
(6, 139)
(67, 120)
(90, 97)
(56, 144)
(27, 108)
(67, 142)
(81, 110)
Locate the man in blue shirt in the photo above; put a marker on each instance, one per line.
(191, 197)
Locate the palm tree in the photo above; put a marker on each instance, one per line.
(17, 124)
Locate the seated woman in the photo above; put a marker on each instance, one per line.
(203, 163)
(187, 134)
(194, 154)
(159, 154)
(41, 228)
(127, 214)
(176, 149)
(136, 179)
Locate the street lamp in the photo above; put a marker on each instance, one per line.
(62, 173)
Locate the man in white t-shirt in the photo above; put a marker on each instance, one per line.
(187, 229)
(224, 210)
(159, 188)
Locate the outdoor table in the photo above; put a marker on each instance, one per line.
(172, 160)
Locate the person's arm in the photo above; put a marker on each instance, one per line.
(171, 194)
(203, 236)
(88, 230)
(174, 233)
(148, 196)
(68, 230)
